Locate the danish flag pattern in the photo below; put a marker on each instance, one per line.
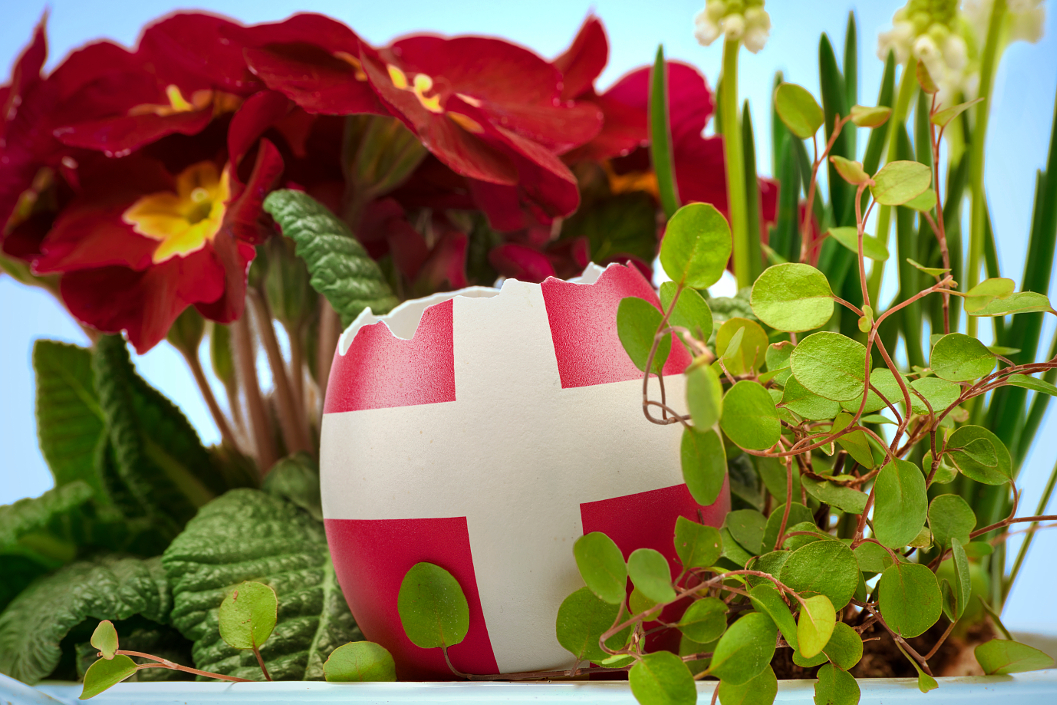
(506, 427)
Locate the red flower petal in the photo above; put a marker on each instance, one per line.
(257, 114)
(690, 102)
(446, 264)
(624, 129)
(234, 259)
(119, 136)
(584, 60)
(244, 217)
(521, 262)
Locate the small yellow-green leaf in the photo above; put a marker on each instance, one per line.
(1033, 383)
(944, 117)
(696, 246)
(804, 403)
(900, 181)
(960, 358)
(104, 638)
(830, 365)
(792, 297)
(106, 673)
(745, 649)
(931, 271)
(637, 323)
(798, 109)
(987, 291)
(582, 619)
(850, 171)
(872, 247)
(432, 606)
(691, 311)
(704, 394)
(750, 418)
(742, 344)
(359, 662)
(704, 463)
(650, 574)
(1020, 302)
(863, 116)
(602, 566)
(696, 545)
(925, 79)
(761, 690)
(1004, 656)
(815, 626)
(925, 202)
(247, 615)
(844, 648)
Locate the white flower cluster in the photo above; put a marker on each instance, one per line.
(743, 20)
(949, 42)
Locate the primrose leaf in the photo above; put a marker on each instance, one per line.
(295, 478)
(836, 687)
(1004, 656)
(360, 662)
(761, 690)
(662, 678)
(696, 245)
(822, 568)
(830, 365)
(971, 448)
(900, 181)
(745, 649)
(815, 626)
(104, 638)
(651, 575)
(637, 322)
(276, 542)
(909, 597)
(1020, 302)
(704, 395)
(691, 311)
(341, 269)
(704, 463)
(750, 418)
(705, 620)
(798, 109)
(944, 117)
(582, 619)
(869, 117)
(752, 351)
(1033, 383)
(433, 609)
(792, 297)
(961, 358)
(248, 615)
(697, 546)
(106, 673)
(602, 566)
(951, 517)
(872, 246)
(901, 503)
(850, 171)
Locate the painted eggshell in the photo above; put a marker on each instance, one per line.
(485, 431)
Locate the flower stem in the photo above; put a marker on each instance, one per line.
(246, 371)
(211, 401)
(329, 332)
(733, 153)
(976, 153)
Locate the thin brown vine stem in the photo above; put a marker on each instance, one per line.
(838, 125)
(294, 429)
(246, 372)
(861, 228)
(899, 640)
(941, 231)
(653, 351)
(939, 286)
(264, 669)
(943, 638)
(329, 333)
(210, 399)
(1016, 520)
(788, 502)
(166, 663)
(847, 304)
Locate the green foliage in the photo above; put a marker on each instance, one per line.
(830, 365)
(872, 247)
(899, 182)
(761, 690)
(750, 418)
(835, 687)
(705, 620)
(661, 136)
(792, 297)
(341, 269)
(582, 619)
(104, 638)
(247, 615)
(637, 322)
(951, 517)
(704, 464)
(901, 503)
(798, 109)
(697, 546)
(433, 609)
(106, 673)
(766, 600)
(359, 662)
(1004, 656)
(696, 246)
(980, 455)
(959, 358)
(704, 395)
(909, 597)
(602, 566)
(822, 568)
(649, 573)
(691, 311)
(815, 626)
(661, 678)
(745, 649)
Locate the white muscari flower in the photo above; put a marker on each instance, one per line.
(899, 39)
(743, 20)
(733, 26)
(757, 28)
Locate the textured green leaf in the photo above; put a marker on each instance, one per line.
(69, 420)
(341, 269)
(925, 202)
(253, 535)
(761, 690)
(704, 464)
(106, 673)
(745, 649)
(691, 311)
(798, 109)
(296, 479)
(939, 392)
(846, 499)
(950, 516)
(104, 639)
(746, 356)
(247, 615)
(830, 365)
(650, 574)
(704, 395)
(624, 224)
(637, 323)
(987, 291)
(35, 513)
(815, 626)
(855, 443)
(963, 448)
(661, 678)
(696, 545)
(109, 587)
(900, 181)
(822, 568)
(433, 608)
(1020, 302)
(602, 566)
(872, 246)
(359, 662)
(960, 358)
(792, 297)
(1003, 656)
(765, 599)
(582, 619)
(909, 597)
(696, 246)
(836, 687)
(944, 117)
(775, 477)
(901, 503)
(749, 416)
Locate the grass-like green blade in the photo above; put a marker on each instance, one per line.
(909, 277)
(661, 136)
(851, 72)
(841, 192)
(752, 193)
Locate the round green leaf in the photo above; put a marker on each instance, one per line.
(433, 609)
(637, 322)
(602, 566)
(815, 626)
(850, 171)
(1002, 657)
(872, 247)
(662, 678)
(925, 202)
(792, 297)
(864, 116)
(691, 311)
(980, 455)
(960, 358)
(741, 354)
(704, 463)
(836, 687)
(950, 516)
(360, 662)
(900, 181)
(761, 690)
(104, 638)
(798, 514)
(1020, 302)
(822, 568)
(987, 291)
(705, 620)
(247, 615)
(830, 365)
(651, 575)
(844, 648)
(745, 649)
(846, 499)
(765, 599)
(798, 109)
(900, 503)
(939, 392)
(638, 602)
(944, 117)
(582, 619)
(696, 245)
(909, 597)
(747, 528)
(106, 673)
(750, 418)
(696, 545)
(704, 395)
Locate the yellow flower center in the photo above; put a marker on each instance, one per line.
(420, 86)
(631, 181)
(183, 222)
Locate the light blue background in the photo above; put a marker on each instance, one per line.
(1016, 147)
